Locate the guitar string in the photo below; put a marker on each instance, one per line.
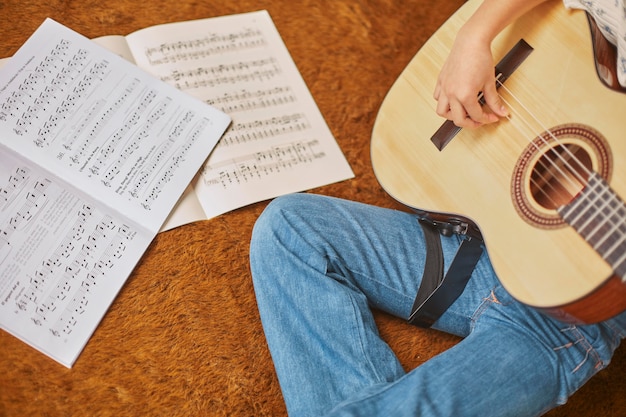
(543, 183)
(567, 162)
(609, 219)
(546, 181)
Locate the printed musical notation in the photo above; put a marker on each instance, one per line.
(15, 185)
(225, 74)
(262, 164)
(237, 101)
(82, 266)
(94, 154)
(258, 130)
(210, 45)
(119, 140)
(56, 71)
(54, 249)
(240, 65)
(33, 200)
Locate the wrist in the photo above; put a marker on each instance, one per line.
(471, 35)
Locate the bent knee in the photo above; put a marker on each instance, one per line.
(296, 202)
(284, 211)
(275, 221)
(274, 214)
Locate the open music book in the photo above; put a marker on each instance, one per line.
(278, 142)
(94, 154)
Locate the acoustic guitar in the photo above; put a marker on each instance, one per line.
(543, 188)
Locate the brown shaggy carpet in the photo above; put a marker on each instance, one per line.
(183, 337)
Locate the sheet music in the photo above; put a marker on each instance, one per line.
(63, 259)
(278, 142)
(126, 144)
(94, 155)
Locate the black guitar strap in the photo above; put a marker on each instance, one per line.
(436, 292)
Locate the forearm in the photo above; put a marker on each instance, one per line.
(492, 16)
(469, 67)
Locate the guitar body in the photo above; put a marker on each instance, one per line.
(489, 178)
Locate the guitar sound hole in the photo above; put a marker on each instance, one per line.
(559, 175)
(554, 168)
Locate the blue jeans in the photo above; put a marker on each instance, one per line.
(320, 265)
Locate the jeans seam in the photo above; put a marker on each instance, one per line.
(484, 305)
(333, 259)
(358, 330)
(617, 333)
(581, 341)
(360, 334)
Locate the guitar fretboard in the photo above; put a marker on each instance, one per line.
(599, 215)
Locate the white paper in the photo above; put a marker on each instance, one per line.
(278, 142)
(94, 155)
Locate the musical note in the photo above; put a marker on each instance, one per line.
(246, 101)
(14, 186)
(256, 166)
(104, 117)
(178, 157)
(257, 70)
(263, 129)
(212, 44)
(32, 202)
(61, 288)
(164, 153)
(112, 145)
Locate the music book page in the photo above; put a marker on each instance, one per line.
(278, 142)
(94, 154)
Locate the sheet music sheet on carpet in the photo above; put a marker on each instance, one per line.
(278, 142)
